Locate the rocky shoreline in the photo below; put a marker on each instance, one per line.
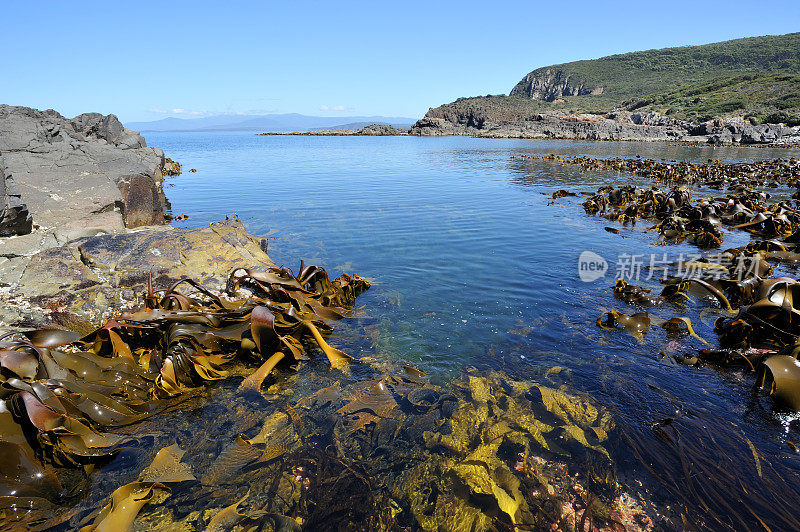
(74, 178)
(149, 317)
(84, 213)
(617, 125)
(84, 224)
(102, 347)
(372, 130)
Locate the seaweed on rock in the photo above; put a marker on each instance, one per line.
(64, 395)
(380, 450)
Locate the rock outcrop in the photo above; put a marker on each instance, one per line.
(588, 127)
(372, 130)
(79, 177)
(739, 131)
(87, 186)
(550, 84)
(379, 130)
(14, 216)
(87, 279)
(617, 125)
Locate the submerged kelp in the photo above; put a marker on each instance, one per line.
(719, 478)
(702, 462)
(395, 451)
(763, 320)
(63, 395)
(373, 446)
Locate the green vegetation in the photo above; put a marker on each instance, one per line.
(757, 77)
(635, 74)
(770, 98)
(501, 108)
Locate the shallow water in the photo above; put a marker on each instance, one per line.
(471, 266)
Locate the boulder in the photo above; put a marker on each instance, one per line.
(760, 134)
(438, 127)
(724, 136)
(378, 130)
(76, 177)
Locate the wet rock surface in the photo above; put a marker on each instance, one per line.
(79, 177)
(88, 278)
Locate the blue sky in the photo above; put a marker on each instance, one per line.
(148, 60)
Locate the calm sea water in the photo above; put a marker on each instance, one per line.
(470, 264)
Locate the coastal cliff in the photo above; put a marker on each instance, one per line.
(549, 84)
(741, 91)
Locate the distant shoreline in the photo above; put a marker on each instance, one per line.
(372, 130)
(615, 126)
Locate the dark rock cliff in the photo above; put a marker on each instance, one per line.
(14, 216)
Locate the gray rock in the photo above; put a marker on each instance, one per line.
(438, 127)
(549, 84)
(546, 125)
(789, 136)
(760, 134)
(77, 177)
(14, 216)
(93, 277)
(616, 125)
(725, 136)
(378, 130)
(108, 128)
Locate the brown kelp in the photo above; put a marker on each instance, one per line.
(385, 449)
(762, 317)
(677, 216)
(714, 174)
(63, 394)
(721, 477)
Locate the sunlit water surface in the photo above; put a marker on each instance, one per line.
(470, 264)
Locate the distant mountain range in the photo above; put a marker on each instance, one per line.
(263, 123)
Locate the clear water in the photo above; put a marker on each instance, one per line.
(470, 264)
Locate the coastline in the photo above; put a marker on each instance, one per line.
(372, 130)
(106, 305)
(615, 126)
(619, 128)
(92, 223)
(482, 428)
